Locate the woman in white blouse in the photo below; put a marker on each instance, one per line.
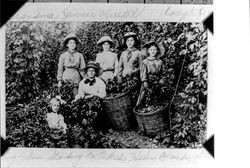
(107, 59)
(92, 85)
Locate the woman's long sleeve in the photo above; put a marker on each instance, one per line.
(139, 59)
(98, 60)
(162, 75)
(81, 92)
(82, 66)
(120, 67)
(143, 72)
(116, 66)
(60, 68)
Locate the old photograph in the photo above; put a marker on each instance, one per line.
(106, 84)
(96, 84)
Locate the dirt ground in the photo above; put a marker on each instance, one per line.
(132, 139)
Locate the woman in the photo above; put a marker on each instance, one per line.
(130, 59)
(91, 85)
(151, 72)
(107, 59)
(71, 63)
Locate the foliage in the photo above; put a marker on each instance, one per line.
(189, 119)
(32, 50)
(27, 126)
(129, 83)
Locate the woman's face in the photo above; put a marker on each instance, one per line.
(71, 44)
(91, 72)
(130, 42)
(152, 51)
(55, 106)
(105, 46)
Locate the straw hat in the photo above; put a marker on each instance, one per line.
(105, 39)
(96, 66)
(160, 49)
(69, 37)
(129, 34)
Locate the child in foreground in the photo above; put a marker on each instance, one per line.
(55, 120)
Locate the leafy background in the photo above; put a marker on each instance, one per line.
(32, 53)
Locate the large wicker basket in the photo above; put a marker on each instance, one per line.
(152, 123)
(120, 112)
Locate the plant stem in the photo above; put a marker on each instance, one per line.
(176, 88)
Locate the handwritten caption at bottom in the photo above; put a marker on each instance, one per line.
(76, 157)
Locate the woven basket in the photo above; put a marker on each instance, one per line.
(120, 112)
(154, 122)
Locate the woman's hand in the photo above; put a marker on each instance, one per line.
(119, 80)
(77, 97)
(59, 84)
(146, 86)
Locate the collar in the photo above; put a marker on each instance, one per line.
(72, 52)
(53, 113)
(151, 58)
(131, 50)
(89, 81)
(106, 51)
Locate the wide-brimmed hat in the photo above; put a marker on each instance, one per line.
(95, 65)
(105, 39)
(69, 37)
(129, 34)
(160, 49)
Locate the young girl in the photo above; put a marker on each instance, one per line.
(151, 72)
(130, 59)
(71, 63)
(108, 60)
(55, 120)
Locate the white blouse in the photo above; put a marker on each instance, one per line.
(97, 89)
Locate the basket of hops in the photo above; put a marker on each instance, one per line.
(152, 115)
(119, 103)
(152, 119)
